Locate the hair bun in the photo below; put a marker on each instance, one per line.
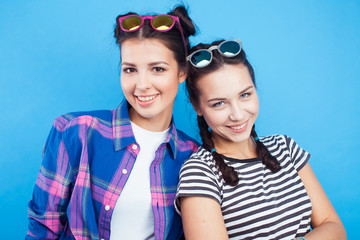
(187, 24)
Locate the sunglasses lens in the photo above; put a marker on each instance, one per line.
(230, 48)
(131, 23)
(162, 23)
(201, 58)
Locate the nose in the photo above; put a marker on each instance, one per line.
(143, 82)
(237, 112)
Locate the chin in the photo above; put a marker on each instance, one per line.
(238, 139)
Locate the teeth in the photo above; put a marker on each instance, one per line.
(145, 99)
(239, 127)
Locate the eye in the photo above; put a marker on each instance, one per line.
(158, 69)
(129, 70)
(245, 95)
(218, 104)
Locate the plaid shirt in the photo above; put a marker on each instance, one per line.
(87, 160)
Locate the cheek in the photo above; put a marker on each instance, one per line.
(168, 86)
(256, 107)
(215, 118)
(126, 84)
(253, 106)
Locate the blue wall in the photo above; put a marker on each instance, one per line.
(60, 56)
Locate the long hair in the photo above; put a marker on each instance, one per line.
(229, 174)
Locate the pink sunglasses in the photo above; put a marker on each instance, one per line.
(160, 23)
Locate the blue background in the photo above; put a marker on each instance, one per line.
(60, 56)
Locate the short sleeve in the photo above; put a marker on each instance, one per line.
(197, 180)
(299, 156)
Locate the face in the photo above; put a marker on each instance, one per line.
(229, 103)
(150, 77)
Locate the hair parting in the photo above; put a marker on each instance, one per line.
(172, 39)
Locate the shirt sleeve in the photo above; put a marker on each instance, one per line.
(299, 156)
(197, 180)
(47, 209)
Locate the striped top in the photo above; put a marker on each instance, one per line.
(87, 160)
(264, 205)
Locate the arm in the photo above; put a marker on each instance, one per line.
(202, 219)
(47, 209)
(325, 222)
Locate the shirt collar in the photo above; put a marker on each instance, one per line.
(123, 134)
(172, 138)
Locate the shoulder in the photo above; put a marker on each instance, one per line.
(273, 140)
(276, 144)
(202, 155)
(185, 141)
(284, 147)
(71, 119)
(199, 177)
(201, 160)
(276, 141)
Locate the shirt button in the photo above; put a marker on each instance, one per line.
(107, 207)
(124, 171)
(134, 146)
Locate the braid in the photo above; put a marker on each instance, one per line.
(267, 159)
(205, 133)
(229, 174)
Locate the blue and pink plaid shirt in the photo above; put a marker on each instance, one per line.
(87, 159)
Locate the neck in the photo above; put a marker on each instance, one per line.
(156, 124)
(239, 150)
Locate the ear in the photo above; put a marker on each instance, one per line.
(196, 108)
(182, 76)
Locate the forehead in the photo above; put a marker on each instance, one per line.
(225, 81)
(151, 49)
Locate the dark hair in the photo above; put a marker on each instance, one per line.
(171, 39)
(194, 74)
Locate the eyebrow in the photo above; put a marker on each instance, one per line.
(157, 63)
(221, 99)
(127, 64)
(151, 64)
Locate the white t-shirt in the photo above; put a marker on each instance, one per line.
(133, 216)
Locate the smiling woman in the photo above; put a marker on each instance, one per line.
(96, 164)
(238, 185)
(150, 82)
(229, 112)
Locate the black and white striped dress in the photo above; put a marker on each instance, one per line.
(264, 205)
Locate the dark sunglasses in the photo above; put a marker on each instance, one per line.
(203, 57)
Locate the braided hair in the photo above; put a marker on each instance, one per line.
(229, 174)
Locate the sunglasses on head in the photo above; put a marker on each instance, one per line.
(160, 23)
(203, 57)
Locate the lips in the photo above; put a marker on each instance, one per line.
(239, 127)
(146, 100)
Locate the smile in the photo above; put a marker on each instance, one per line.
(146, 98)
(239, 128)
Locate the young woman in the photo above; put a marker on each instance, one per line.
(112, 174)
(237, 185)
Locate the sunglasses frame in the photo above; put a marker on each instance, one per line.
(152, 18)
(216, 47)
